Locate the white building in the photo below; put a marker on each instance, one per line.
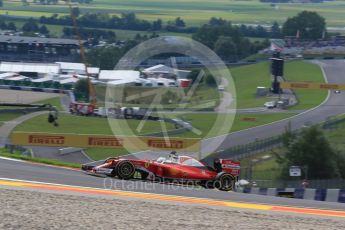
(121, 82)
(157, 82)
(166, 72)
(71, 68)
(77, 68)
(37, 69)
(93, 71)
(4, 76)
(69, 81)
(18, 78)
(117, 75)
(42, 80)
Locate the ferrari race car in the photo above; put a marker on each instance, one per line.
(179, 169)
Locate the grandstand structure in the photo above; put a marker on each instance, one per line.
(335, 44)
(38, 49)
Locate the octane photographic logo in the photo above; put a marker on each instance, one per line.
(164, 104)
(152, 185)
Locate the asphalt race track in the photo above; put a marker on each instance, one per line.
(48, 174)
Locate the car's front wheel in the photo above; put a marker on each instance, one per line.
(125, 170)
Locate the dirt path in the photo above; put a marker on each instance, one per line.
(37, 210)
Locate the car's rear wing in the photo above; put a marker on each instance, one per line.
(230, 166)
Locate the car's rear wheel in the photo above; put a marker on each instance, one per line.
(225, 182)
(125, 170)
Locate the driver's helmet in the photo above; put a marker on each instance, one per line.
(173, 157)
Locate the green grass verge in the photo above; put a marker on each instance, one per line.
(270, 169)
(204, 122)
(55, 101)
(204, 96)
(264, 166)
(8, 116)
(248, 77)
(88, 125)
(299, 71)
(5, 153)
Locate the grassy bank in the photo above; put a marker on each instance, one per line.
(204, 123)
(299, 71)
(8, 116)
(88, 125)
(55, 101)
(265, 167)
(247, 78)
(5, 153)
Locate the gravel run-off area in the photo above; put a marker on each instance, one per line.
(23, 209)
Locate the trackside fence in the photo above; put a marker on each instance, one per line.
(317, 184)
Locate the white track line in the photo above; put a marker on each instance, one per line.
(11, 159)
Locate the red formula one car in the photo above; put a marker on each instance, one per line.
(179, 169)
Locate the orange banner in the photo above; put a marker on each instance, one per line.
(311, 85)
(101, 141)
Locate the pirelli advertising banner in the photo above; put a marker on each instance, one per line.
(310, 85)
(100, 141)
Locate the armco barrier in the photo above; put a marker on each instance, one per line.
(329, 195)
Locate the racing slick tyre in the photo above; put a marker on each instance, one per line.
(225, 181)
(125, 170)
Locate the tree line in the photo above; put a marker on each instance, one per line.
(7, 25)
(54, 2)
(93, 34)
(288, 1)
(31, 26)
(309, 24)
(227, 40)
(127, 21)
(311, 150)
(107, 57)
